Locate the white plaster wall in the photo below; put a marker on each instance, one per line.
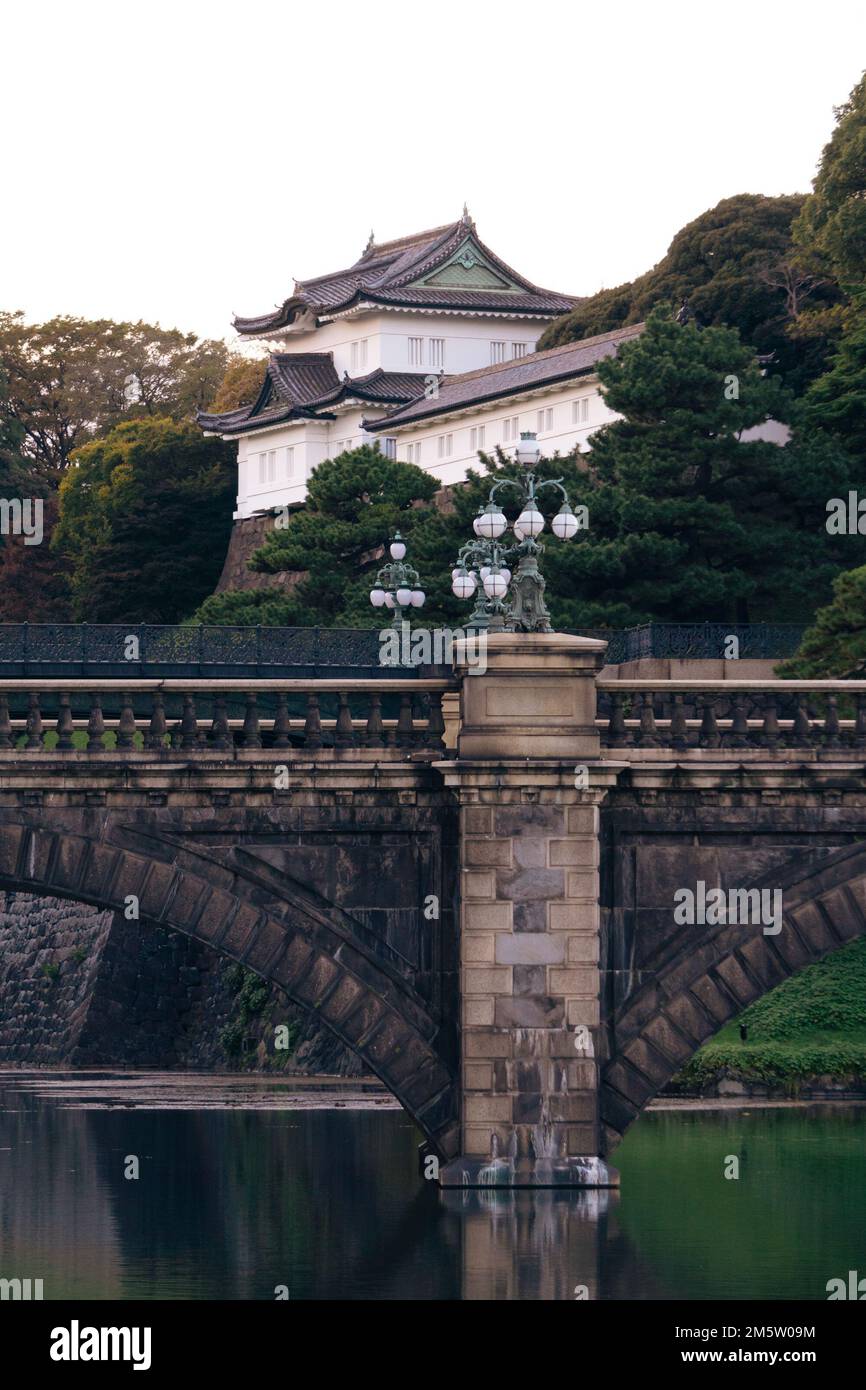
(387, 334)
(561, 437)
(312, 441)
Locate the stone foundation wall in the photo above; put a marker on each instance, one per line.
(248, 536)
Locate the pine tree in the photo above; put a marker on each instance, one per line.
(688, 521)
(333, 546)
(834, 647)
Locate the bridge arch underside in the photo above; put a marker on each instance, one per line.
(311, 949)
(702, 987)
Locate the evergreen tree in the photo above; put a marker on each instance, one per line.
(145, 519)
(831, 227)
(834, 647)
(333, 547)
(837, 400)
(688, 522)
(737, 265)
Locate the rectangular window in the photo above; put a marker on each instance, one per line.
(510, 429)
(476, 438)
(416, 352)
(445, 443)
(390, 447)
(437, 352)
(267, 467)
(290, 462)
(544, 421)
(580, 411)
(359, 355)
(497, 352)
(518, 349)
(413, 453)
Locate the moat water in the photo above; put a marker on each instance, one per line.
(244, 1190)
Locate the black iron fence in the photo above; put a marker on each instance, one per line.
(700, 641)
(117, 650)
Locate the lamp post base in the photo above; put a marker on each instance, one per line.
(528, 611)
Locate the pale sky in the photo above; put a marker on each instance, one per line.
(176, 162)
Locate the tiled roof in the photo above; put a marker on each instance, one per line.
(386, 275)
(509, 378)
(303, 385)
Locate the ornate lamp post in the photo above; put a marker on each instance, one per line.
(482, 560)
(397, 586)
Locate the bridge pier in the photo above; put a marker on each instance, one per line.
(529, 779)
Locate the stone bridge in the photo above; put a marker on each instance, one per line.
(472, 879)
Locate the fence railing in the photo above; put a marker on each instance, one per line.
(194, 716)
(112, 649)
(699, 641)
(680, 715)
(129, 649)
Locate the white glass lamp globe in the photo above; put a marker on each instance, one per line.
(377, 596)
(516, 528)
(464, 585)
(418, 597)
(506, 574)
(404, 597)
(564, 524)
(531, 522)
(491, 523)
(495, 586)
(484, 571)
(475, 525)
(458, 569)
(389, 600)
(398, 550)
(528, 451)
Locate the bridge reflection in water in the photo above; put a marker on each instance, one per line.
(231, 1203)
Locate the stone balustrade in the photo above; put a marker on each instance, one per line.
(159, 717)
(688, 715)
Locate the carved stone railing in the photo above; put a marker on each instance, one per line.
(220, 717)
(732, 716)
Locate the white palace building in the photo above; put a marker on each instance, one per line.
(426, 344)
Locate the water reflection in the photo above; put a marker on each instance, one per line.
(232, 1203)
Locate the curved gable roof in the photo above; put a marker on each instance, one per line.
(394, 274)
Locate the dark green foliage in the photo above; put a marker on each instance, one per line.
(834, 647)
(145, 518)
(737, 266)
(687, 522)
(334, 545)
(836, 402)
(831, 227)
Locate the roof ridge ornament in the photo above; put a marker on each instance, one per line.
(370, 243)
(466, 218)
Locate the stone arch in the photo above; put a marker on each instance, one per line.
(697, 991)
(310, 949)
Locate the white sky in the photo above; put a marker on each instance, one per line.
(179, 161)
